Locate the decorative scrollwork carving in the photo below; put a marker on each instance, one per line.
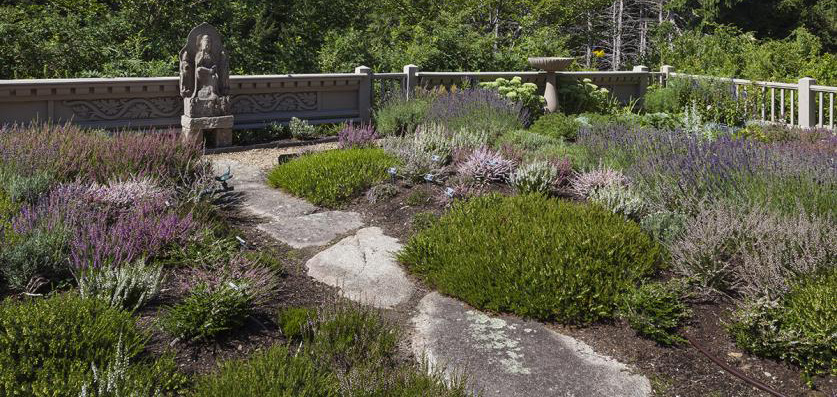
(274, 102)
(116, 109)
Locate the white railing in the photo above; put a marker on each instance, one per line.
(803, 104)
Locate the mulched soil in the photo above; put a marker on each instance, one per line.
(681, 371)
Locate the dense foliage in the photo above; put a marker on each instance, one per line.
(332, 178)
(339, 350)
(800, 328)
(775, 39)
(656, 311)
(518, 261)
(48, 345)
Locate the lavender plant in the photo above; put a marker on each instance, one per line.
(679, 171)
(476, 109)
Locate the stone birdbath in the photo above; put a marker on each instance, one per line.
(551, 65)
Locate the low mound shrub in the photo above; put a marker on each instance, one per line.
(275, 372)
(800, 328)
(557, 125)
(47, 346)
(533, 256)
(331, 178)
(207, 312)
(657, 310)
(340, 349)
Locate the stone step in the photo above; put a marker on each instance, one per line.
(508, 356)
(363, 266)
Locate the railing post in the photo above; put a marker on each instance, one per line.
(666, 71)
(807, 103)
(364, 95)
(643, 84)
(411, 80)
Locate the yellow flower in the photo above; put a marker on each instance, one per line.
(599, 53)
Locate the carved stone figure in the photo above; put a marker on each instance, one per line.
(204, 86)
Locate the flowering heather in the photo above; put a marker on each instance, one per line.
(124, 193)
(356, 136)
(105, 234)
(679, 171)
(586, 183)
(240, 272)
(536, 177)
(485, 166)
(70, 153)
(751, 251)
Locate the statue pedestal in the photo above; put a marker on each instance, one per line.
(218, 130)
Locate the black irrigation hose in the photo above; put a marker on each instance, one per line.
(753, 382)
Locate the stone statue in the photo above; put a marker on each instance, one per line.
(204, 86)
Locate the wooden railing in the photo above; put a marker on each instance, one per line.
(803, 104)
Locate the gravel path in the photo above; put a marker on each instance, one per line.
(265, 159)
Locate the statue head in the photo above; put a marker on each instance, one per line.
(204, 43)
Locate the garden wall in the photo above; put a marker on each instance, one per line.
(156, 102)
(256, 100)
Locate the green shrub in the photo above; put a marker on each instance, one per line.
(331, 178)
(358, 343)
(121, 378)
(275, 372)
(424, 220)
(533, 256)
(207, 312)
(660, 99)
(578, 155)
(399, 116)
(295, 321)
(525, 140)
(41, 253)
(518, 91)
(656, 311)
(47, 346)
(300, 129)
(205, 247)
(556, 125)
(579, 96)
(800, 328)
(26, 188)
(664, 226)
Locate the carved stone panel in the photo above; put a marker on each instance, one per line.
(126, 108)
(274, 102)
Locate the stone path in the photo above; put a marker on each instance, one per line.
(500, 356)
(512, 357)
(290, 220)
(364, 267)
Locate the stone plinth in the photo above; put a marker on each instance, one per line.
(218, 130)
